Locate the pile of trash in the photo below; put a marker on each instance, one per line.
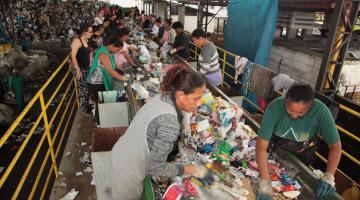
(146, 78)
(217, 137)
(27, 65)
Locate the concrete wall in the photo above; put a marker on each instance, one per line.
(298, 65)
(351, 72)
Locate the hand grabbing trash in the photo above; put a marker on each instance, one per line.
(325, 187)
(204, 174)
(265, 191)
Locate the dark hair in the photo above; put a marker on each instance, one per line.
(96, 28)
(300, 92)
(158, 20)
(197, 33)
(181, 78)
(106, 19)
(83, 29)
(113, 40)
(124, 31)
(178, 25)
(168, 21)
(92, 44)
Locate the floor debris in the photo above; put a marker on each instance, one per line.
(70, 195)
(88, 170)
(64, 185)
(79, 174)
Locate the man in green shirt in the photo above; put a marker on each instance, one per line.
(294, 123)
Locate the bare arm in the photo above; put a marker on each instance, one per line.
(132, 48)
(261, 158)
(104, 59)
(127, 57)
(334, 157)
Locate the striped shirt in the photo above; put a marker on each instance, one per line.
(162, 134)
(97, 76)
(209, 59)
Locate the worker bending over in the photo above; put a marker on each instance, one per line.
(145, 147)
(293, 123)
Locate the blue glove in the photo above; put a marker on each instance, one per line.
(265, 191)
(208, 179)
(204, 175)
(325, 187)
(324, 190)
(260, 196)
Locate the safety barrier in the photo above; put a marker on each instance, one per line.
(224, 63)
(33, 181)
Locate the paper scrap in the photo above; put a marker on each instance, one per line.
(60, 173)
(88, 170)
(93, 180)
(70, 195)
(83, 143)
(79, 174)
(203, 125)
(291, 194)
(68, 153)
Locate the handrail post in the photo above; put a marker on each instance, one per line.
(77, 93)
(47, 132)
(196, 48)
(223, 69)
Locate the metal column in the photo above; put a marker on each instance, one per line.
(206, 17)
(336, 46)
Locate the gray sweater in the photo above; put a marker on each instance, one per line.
(162, 134)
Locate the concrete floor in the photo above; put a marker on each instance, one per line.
(81, 131)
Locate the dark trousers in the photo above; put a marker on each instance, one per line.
(94, 89)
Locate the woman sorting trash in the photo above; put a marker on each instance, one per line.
(168, 37)
(144, 149)
(102, 71)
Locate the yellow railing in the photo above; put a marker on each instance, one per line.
(67, 100)
(225, 64)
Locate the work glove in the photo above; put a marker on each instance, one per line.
(325, 187)
(204, 175)
(265, 191)
(173, 51)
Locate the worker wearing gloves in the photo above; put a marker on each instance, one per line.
(145, 147)
(208, 63)
(293, 123)
(180, 46)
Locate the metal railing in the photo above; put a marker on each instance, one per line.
(224, 63)
(348, 91)
(59, 89)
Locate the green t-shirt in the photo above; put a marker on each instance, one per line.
(318, 120)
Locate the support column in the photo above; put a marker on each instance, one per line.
(200, 16)
(160, 9)
(181, 13)
(291, 33)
